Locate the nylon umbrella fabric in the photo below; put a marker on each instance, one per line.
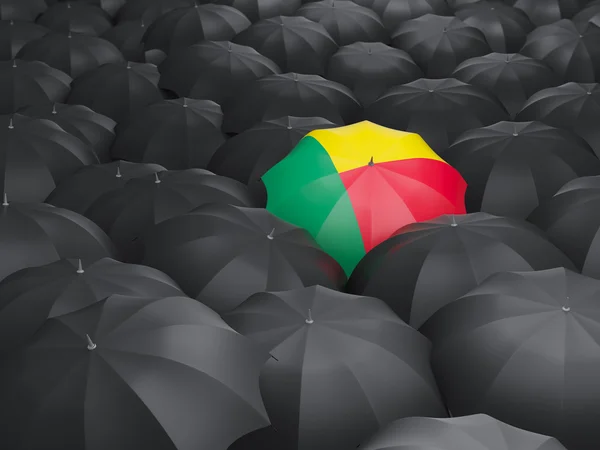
(256, 10)
(550, 11)
(25, 10)
(149, 10)
(512, 167)
(201, 388)
(221, 254)
(127, 38)
(588, 13)
(393, 13)
(438, 110)
(15, 34)
(110, 7)
(75, 17)
(522, 348)
(427, 265)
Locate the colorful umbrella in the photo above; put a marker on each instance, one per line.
(351, 187)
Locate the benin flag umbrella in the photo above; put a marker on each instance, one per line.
(351, 187)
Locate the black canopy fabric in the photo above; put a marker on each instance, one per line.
(15, 34)
(26, 10)
(75, 17)
(152, 373)
(256, 10)
(149, 10)
(550, 11)
(522, 347)
(127, 38)
(110, 7)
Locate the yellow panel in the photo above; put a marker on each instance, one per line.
(353, 146)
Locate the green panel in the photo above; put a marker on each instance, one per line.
(305, 189)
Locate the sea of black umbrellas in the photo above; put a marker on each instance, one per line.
(141, 304)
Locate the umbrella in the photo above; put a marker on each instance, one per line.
(352, 187)
(571, 50)
(256, 10)
(592, 182)
(26, 10)
(110, 7)
(221, 254)
(295, 44)
(127, 38)
(151, 373)
(149, 10)
(132, 87)
(35, 155)
(247, 156)
(80, 121)
(214, 70)
(475, 432)
(425, 266)
(345, 21)
(438, 44)
(14, 35)
(291, 94)
(341, 366)
(33, 295)
(393, 13)
(79, 191)
(573, 106)
(512, 78)
(370, 69)
(127, 213)
(25, 83)
(512, 167)
(438, 110)
(177, 134)
(74, 54)
(550, 11)
(522, 347)
(75, 17)
(588, 13)
(505, 28)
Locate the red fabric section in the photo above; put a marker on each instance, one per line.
(387, 196)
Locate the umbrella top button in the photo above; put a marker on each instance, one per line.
(515, 134)
(91, 345)
(589, 92)
(289, 127)
(430, 90)
(566, 309)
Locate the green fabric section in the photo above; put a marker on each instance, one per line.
(305, 189)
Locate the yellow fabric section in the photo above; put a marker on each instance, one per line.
(353, 146)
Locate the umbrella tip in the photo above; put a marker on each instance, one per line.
(566, 308)
(118, 175)
(142, 23)
(91, 345)
(12, 22)
(80, 267)
(229, 47)
(14, 63)
(156, 179)
(453, 224)
(371, 163)
(54, 108)
(185, 105)
(69, 35)
(270, 235)
(309, 320)
(128, 65)
(5, 200)
(295, 76)
(10, 124)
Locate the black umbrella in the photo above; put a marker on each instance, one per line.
(132, 87)
(342, 366)
(512, 167)
(74, 54)
(35, 155)
(14, 35)
(31, 296)
(222, 254)
(522, 347)
(295, 44)
(371, 68)
(393, 12)
(291, 94)
(214, 70)
(256, 10)
(79, 191)
(505, 28)
(247, 156)
(80, 121)
(438, 43)
(75, 17)
(149, 10)
(127, 37)
(573, 106)
(512, 78)
(110, 7)
(588, 13)
(177, 134)
(427, 265)
(475, 432)
(26, 10)
(571, 50)
(438, 110)
(592, 182)
(25, 83)
(549, 11)
(132, 372)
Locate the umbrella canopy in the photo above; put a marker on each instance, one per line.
(127, 37)
(133, 86)
(291, 94)
(425, 266)
(35, 155)
(438, 110)
(550, 11)
(215, 71)
(495, 345)
(394, 13)
(295, 44)
(26, 10)
(588, 13)
(573, 106)
(80, 121)
(177, 134)
(512, 167)
(25, 83)
(475, 432)
(256, 10)
(79, 191)
(371, 68)
(221, 254)
(152, 373)
(33, 295)
(571, 50)
(110, 7)
(14, 35)
(512, 78)
(352, 187)
(317, 393)
(438, 43)
(75, 17)
(149, 10)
